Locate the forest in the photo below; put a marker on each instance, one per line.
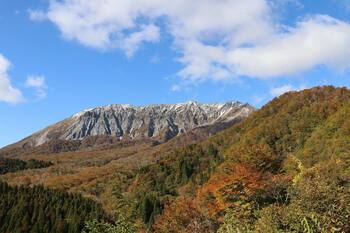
(286, 168)
(41, 210)
(13, 165)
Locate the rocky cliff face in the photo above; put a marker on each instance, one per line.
(159, 122)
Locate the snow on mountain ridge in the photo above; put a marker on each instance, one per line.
(158, 121)
(178, 105)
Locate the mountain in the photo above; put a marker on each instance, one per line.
(88, 152)
(284, 168)
(127, 122)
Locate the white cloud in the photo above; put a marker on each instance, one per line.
(277, 91)
(321, 40)
(176, 88)
(147, 33)
(8, 93)
(37, 15)
(215, 39)
(281, 3)
(38, 83)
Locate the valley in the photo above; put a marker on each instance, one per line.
(94, 165)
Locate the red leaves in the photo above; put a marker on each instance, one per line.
(234, 183)
(182, 216)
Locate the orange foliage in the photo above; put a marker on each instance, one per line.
(259, 155)
(234, 184)
(183, 216)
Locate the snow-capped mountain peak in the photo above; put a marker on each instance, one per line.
(158, 121)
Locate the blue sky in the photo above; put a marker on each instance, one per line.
(60, 57)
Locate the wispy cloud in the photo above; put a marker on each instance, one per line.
(280, 90)
(245, 40)
(8, 93)
(38, 83)
(176, 88)
(156, 59)
(147, 33)
(36, 15)
(277, 91)
(345, 4)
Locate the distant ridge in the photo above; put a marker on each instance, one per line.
(158, 121)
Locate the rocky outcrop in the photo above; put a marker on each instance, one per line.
(160, 122)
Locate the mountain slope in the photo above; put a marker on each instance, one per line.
(90, 166)
(126, 122)
(283, 169)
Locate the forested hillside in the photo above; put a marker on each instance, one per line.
(13, 165)
(24, 209)
(284, 169)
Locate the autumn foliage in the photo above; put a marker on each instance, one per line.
(286, 168)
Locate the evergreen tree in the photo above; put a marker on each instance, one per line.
(41, 210)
